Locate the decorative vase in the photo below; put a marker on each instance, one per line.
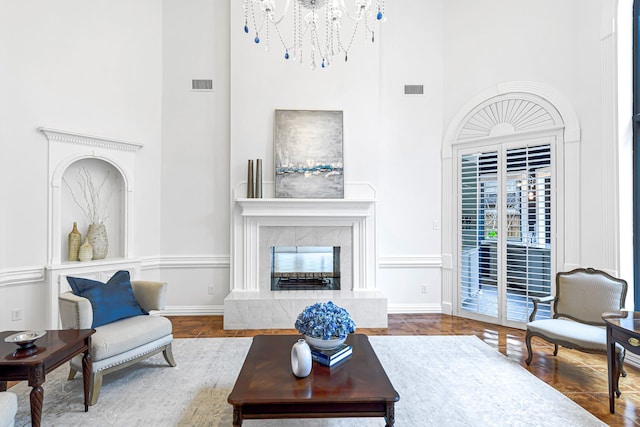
(86, 251)
(320, 344)
(75, 240)
(97, 235)
(258, 189)
(301, 359)
(250, 180)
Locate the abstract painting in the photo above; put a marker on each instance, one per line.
(308, 154)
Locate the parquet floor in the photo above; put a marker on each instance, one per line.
(580, 376)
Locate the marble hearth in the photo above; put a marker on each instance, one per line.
(260, 224)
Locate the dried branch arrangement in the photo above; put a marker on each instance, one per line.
(94, 206)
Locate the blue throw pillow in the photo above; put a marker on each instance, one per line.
(110, 301)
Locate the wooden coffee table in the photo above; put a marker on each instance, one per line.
(53, 349)
(267, 388)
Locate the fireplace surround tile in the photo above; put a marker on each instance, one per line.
(278, 310)
(305, 236)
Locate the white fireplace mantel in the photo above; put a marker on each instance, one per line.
(251, 303)
(289, 208)
(358, 215)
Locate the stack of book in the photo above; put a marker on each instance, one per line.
(331, 357)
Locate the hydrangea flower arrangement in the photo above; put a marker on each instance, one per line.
(325, 321)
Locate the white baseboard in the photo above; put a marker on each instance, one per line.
(193, 310)
(218, 310)
(414, 308)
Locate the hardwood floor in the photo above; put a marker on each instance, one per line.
(581, 377)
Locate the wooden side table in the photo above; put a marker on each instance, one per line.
(54, 349)
(623, 327)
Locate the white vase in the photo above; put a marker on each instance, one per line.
(320, 344)
(97, 235)
(301, 359)
(85, 253)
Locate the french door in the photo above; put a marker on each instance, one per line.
(506, 202)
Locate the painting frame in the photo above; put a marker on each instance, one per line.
(308, 154)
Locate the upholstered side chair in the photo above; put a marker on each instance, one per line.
(123, 342)
(582, 296)
(8, 408)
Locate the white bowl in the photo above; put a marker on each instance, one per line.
(320, 344)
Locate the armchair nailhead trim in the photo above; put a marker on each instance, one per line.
(133, 357)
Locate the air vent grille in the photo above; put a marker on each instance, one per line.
(413, 89)
(206, 84)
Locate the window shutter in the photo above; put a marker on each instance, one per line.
(505, 231)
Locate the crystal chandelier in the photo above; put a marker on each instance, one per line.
(310, 34)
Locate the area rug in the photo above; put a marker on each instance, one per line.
(441, 380)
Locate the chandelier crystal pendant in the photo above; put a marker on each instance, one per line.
(322, 29)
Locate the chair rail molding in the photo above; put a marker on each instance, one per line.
(21, 276)
(187, 262)
(410, 261)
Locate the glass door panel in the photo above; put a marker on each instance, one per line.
(479, 231)
(505, 210)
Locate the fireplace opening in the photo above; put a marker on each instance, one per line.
(305, 268)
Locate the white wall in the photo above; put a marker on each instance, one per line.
(409, 184)
(195, 155)
(122, 69)
(554, 43)
(88, 67)
(391, 140)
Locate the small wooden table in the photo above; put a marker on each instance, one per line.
(54, 349)
(267, 388)
(623, 327)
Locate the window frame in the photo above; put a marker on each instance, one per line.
(636, 155)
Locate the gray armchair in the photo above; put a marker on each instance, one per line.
(124, 342)
(582, 296)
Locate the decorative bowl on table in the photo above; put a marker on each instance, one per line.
(25, 339)
(325, 325)
(321, 344)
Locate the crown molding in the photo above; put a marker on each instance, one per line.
(56, 135)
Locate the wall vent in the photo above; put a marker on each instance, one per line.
(413, 89)
(206, 84)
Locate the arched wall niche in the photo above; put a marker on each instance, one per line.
(69, 154)
(506, 112)
(93, 187)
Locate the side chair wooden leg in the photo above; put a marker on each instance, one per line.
(621, 356)
(96, 385)
(555, 349)
(72, 374)
(530, 355)
(168, 355)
